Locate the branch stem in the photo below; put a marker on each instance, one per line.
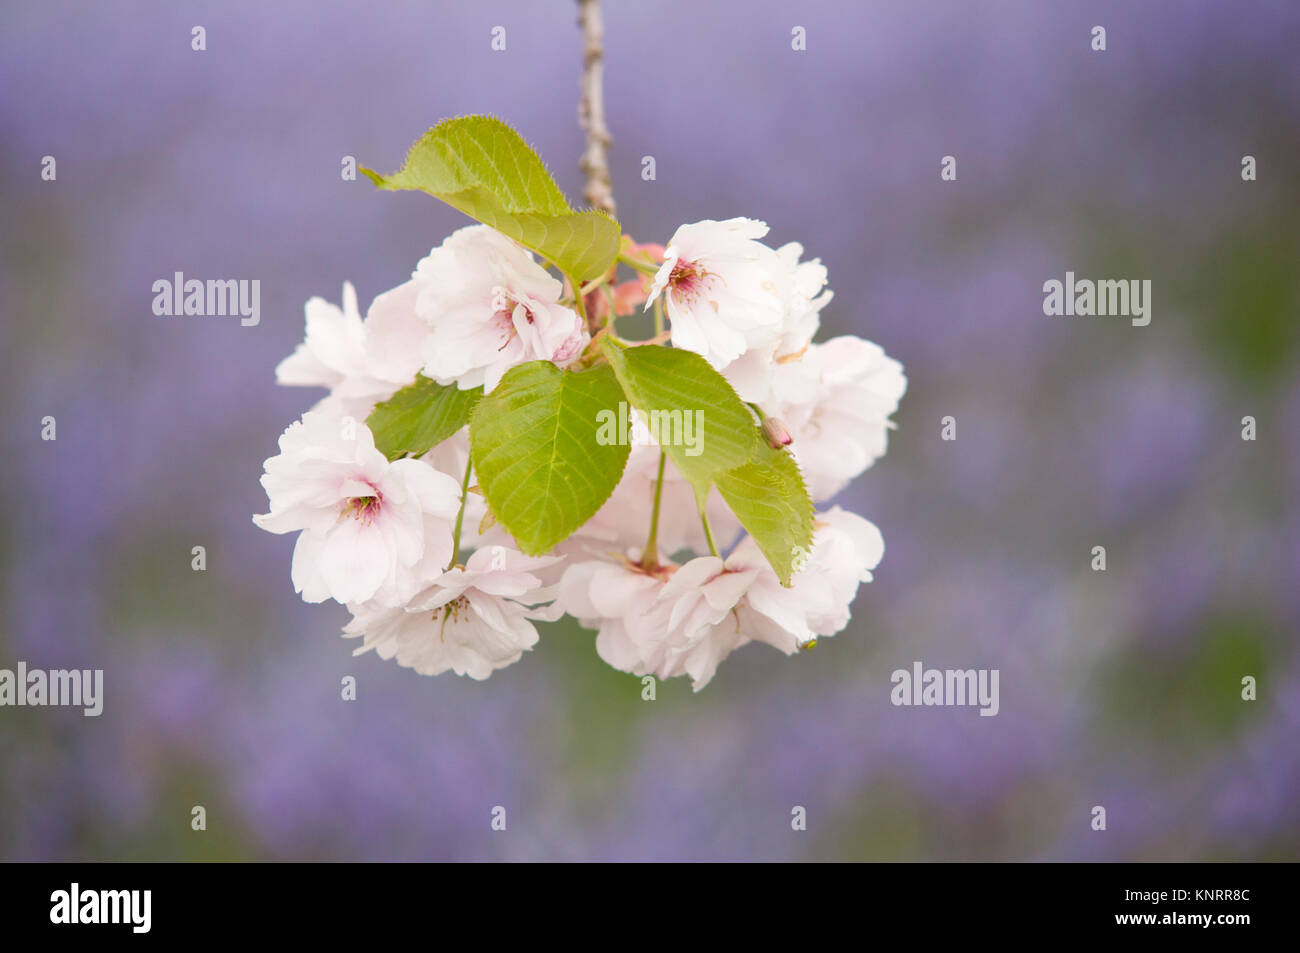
(599, 192)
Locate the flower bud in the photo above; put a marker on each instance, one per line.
(776, 434)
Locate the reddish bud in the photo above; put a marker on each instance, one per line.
(776, 434)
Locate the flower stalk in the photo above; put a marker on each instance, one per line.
(460, 516)
(650, 555)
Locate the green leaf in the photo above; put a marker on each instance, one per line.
(420, 416)
(699, 421)
(482, 167)
(535, 449)
(769, 498)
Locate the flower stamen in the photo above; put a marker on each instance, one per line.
(363, 508)
(689, 280)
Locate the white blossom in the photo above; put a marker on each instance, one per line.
(836, 402)
(472, 620)
(663, 623)
(370, 529)
(754, 373)
(491, 307)
(382, 536)
(846, 548)
(722, 288)
(333, 349)
(360, 362)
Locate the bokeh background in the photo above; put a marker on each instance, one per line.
(1119, 689)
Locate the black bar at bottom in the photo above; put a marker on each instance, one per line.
(373, 901)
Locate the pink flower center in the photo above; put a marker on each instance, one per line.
(363, 508)
(504, 319)
(505, 324)
(689, 280)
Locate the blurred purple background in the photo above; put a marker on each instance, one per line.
(1119, 689)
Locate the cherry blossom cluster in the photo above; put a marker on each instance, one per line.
(412, 549)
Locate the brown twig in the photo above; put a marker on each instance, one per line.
(599, 192)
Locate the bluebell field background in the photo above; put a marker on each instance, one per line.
(1119, 688)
